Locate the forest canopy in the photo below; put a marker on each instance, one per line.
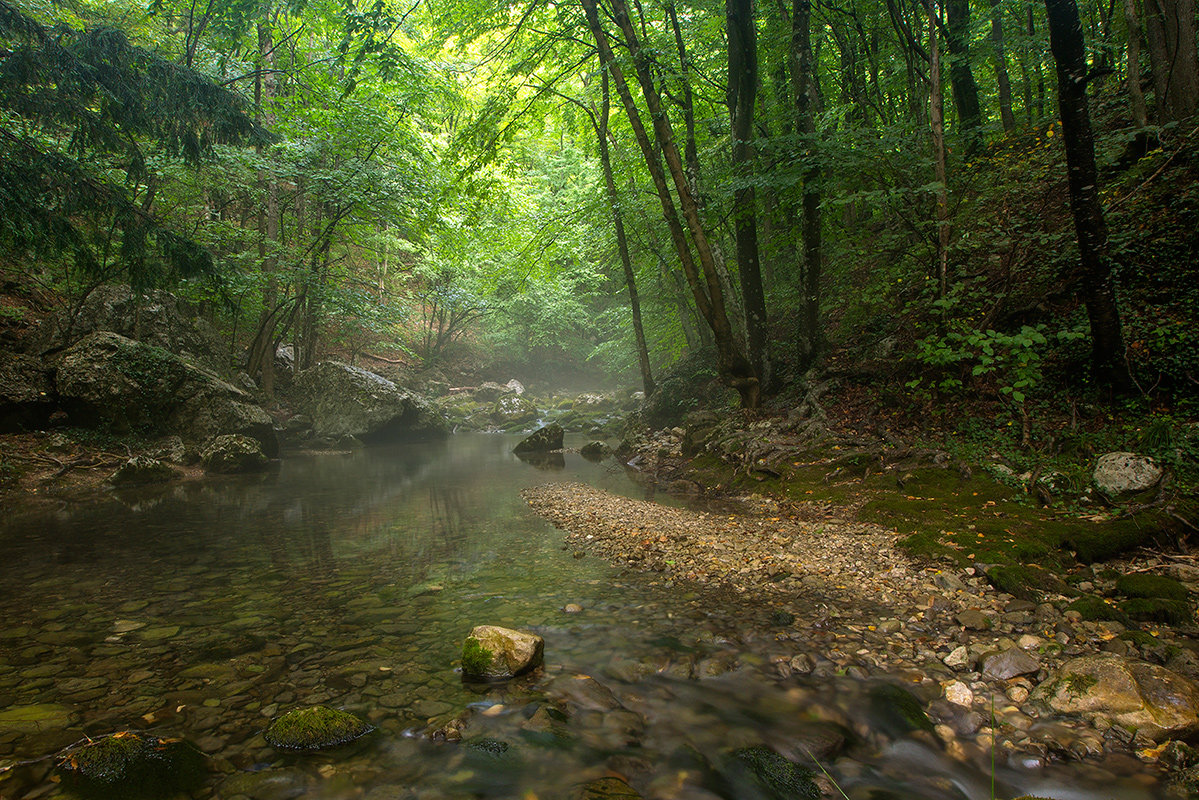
(992, 199)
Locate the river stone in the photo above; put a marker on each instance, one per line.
(141, 469)
(1119, 474)
(128, 764)
(958, 659)
(974, 619)
(543, 440)
(345, 400)
(315, 728)
(610, 788)
(1007, 664)
(595, 451)
(28, 719)
(513, 410)
(1155, 701)
(274, 784)
(232, 454)
(495, 653)
(108, 379)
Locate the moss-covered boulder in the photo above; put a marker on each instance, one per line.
(492, 653)
(513, 410)
(541, 441)
(774, 776)
(595, 451)
(140, 470)
(1027, 582)
(1157, 609)
(315, 728)
(131, 765)
(1093, 608)
(1144, 585)
(1151, 699)
(232, 454)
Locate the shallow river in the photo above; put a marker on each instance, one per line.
(204, 609)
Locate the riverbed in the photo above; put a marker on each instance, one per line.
(204, 609)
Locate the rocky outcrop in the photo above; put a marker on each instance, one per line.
(492, 653)
(1122, 474)
(232, 453)
(152, 317)
(343, 400)
(1152, 700)
(513, 410)
(108, 379)
(26, 393)
(541, 441)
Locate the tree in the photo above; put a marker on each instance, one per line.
(1096, 284)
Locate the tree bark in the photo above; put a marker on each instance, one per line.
(622, 242)
(741, 98)
(936, 114)
(1170, 30)
(807, 101)
(1140, 111)
(1098, 292)
(1002, 81)
(961, 76)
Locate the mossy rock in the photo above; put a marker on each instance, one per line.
(1028, 582)
(1107, 540)
(610, 788)
(315, 728)
(1142, 585)
(487, 746)
(1157, 609)
(131, 765)
(898, 710)
(780, 777)
(1094, 608)
(1140, 638)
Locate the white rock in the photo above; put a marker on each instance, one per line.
(959, 693)
(1125, 473)
(959, 659)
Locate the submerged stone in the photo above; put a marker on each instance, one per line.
(315, 728)
(128, 764)
(780, 777)
(25, 719)
(610, 788)
(898, 710)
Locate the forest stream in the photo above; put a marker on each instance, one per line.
(202, 610)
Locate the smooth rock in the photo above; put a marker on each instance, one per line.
(1008, 664)
(494, 653)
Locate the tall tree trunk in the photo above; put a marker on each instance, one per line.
(741, 98)
(936, 114)
(622, 243)
(1140, 112)
(1001, 75)
(734, 366)
(261, 357)
(961, 76)
(1170, 29)
(807, 102)
(1107, 339)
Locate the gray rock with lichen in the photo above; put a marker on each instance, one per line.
(342, 400)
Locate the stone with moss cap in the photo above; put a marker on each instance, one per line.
(492, 653)
(1155, 701)
(131, 765)
(315, 728)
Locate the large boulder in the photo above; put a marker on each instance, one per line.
(541, 441)
(152, 317)
(232, 453)
(1155, 701)
(344, 400)
(108, 379)
(512, 410)
(26, 393)
(1122, 474)
(492, 653)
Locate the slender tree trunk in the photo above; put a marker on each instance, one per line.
(961, 76)
(261, 358)
(622, 243)
(1170, 29)
(1001, 75)
(1140, 112)
(807, 102)
(936, 114)
(734, 366)
(1098, 291)
(742, 97)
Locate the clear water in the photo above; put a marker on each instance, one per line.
(201, 610)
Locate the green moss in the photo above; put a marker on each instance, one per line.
(1093, 542)
(780, 777)
(1094, 608)
(898, 710)
(1157, 609)
(476, 659)
(1142, 585)
(1027, 582)
(1139, 638)
(315, 728)
(1078, 684)
(131, 765)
